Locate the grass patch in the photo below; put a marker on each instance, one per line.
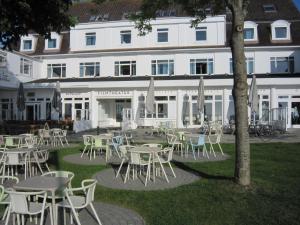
(273, 197)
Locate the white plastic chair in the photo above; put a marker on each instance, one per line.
(20, 205)
(165, 157)
(64, 136)
(124, 156)
(87, 141)
(173, 143)
(138, 160)
(76, 202)
(13, 159)
(215, 139)
(4, 197)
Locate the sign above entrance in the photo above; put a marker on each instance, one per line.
(114, 93)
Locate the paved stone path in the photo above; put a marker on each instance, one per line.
(107, 178)
(109, 215)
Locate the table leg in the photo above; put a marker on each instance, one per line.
(153, 167)
(53, 208)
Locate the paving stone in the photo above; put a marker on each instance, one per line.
(107, 178)
(85, 160)
(109, 215)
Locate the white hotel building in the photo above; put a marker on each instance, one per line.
(104, 67)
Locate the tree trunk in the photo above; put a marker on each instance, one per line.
(240, 95)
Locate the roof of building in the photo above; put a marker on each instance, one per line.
(115, 10)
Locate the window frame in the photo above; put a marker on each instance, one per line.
(31, 45)
(290, 60)
(63, 70)
(83, 69)
(155, 67)
(200, 30)
(124, 33)
(90, 35)
(23, 64)
(130, 63)
(209, 66)
(162, 31)
(281, 24)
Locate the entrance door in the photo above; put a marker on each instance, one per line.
(30, 112)
(120, 105)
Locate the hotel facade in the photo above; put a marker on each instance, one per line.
(104, 67)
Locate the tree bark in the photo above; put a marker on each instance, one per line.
(240, 95)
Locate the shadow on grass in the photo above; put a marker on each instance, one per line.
(185, 167)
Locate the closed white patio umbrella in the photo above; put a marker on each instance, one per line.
(21, 98)
(200, 97)
(56, 100)
(253, 98)
(150, 100)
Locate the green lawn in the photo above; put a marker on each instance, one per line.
(273, 198)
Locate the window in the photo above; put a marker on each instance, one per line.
(162, 67)
(201, 33)
(27, 45)
(56, 70)
(90, 69)
(282, 64)
(125, 37)
(162, 35)
(269, 8)
(280, 32)
(201, 66)
(25, 67)
(249, 65)
(125, 68)
(248, 33)
(90, 39)
(162, 110)
(51, 43)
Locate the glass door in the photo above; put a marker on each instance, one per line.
(295, 110)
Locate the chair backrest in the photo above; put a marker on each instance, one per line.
(124, 149)
(87, 139)
(171, 139)
(11, 141)
(19, 200)
(60, 173)
(167, 153)
(153, 145)
(97, 141)
(201, 139)
(29, 142)
(139, 158)
(89, 185)
(16, 157)
(64, 133)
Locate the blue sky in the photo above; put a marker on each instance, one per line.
(297, 3)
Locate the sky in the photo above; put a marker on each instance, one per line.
(297, 3)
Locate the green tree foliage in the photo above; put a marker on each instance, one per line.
(18, 17)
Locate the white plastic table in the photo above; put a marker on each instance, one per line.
(44, 183)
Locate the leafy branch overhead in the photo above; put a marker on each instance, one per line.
(19, 17)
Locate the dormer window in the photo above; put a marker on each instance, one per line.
(280, 30)
(90, 39)
(27, 45)
(52, 43)
(250, 31)
(201, 33)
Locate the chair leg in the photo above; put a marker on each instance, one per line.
(221, 149)
(95, 213)
(83, 151)
(7, 217)
(120, 168)
(193, 150)
(42, 217)
(172, 169)
(127, 173)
